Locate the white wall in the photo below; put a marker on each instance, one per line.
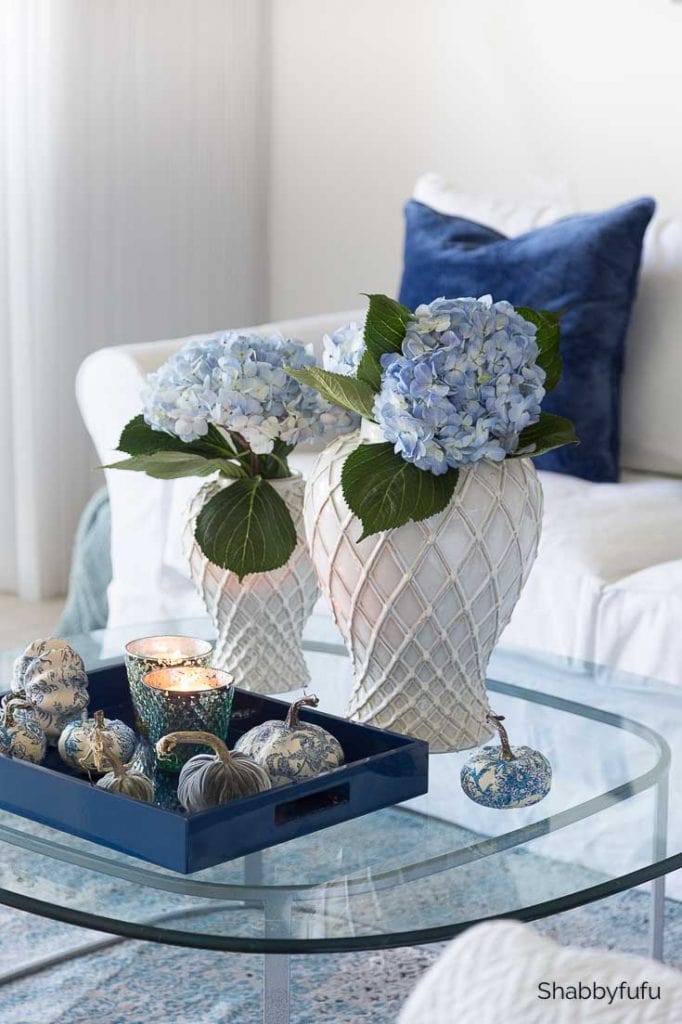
(502, 96)
(134, 165)
(165, 176)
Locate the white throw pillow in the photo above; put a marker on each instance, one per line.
(506, 972)
(651, 427)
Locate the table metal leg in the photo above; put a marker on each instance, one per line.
(253, 868)
(660, 848)
(276, 966)
(657, 923)
(276, 989)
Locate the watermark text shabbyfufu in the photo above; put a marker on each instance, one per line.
(609, 994)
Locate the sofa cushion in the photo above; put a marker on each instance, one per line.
(505, 971)
(651, 429)
(607, 584)
(585, 265)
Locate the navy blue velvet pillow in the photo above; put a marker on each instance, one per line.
(586, 265)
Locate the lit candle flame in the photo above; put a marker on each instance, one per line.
(168, 650)
(188, 679)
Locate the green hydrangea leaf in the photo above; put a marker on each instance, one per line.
(348, 392)
(138, 438)
(384, 332)
(271, 467)
(384, 491)
(548, 433)
(246, 528)
(172, 465)
(369, 372)
(548, 338)
(275, 466)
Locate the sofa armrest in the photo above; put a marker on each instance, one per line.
(109, 380)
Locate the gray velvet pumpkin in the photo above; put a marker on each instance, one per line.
(208, 780)
(292, 750)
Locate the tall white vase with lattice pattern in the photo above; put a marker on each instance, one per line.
(259, 621)
(421, 607)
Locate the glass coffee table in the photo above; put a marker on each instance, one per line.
(417, 873)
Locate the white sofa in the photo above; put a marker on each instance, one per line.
(607, 584)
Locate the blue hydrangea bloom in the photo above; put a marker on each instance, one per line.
(343, 349)
(238, 383)
(464, 387)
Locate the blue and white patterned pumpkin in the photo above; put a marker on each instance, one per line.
(506, 777)
(51, 676)
(5, 741)
(292, 750)
(84, 745)
(20, 734)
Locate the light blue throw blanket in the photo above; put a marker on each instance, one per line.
(86, 606)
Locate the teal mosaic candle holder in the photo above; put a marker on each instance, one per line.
(151, 652)
(184, 698)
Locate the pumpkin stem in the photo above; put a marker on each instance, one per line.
(8, 707)
(99, 744)
(168, 743)
(291, 721)
(497, 720)
(117, 766)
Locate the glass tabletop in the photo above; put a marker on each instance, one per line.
(415, 873)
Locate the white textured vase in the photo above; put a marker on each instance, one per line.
(421, 607)
(260, 620)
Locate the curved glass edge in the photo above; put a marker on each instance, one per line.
(390, 940)
(153, 933)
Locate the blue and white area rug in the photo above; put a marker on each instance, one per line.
(143, 983)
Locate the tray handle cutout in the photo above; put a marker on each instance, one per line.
(313, 803)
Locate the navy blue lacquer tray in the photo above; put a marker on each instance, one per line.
(381, 768)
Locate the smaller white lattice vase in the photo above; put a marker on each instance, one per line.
(259, 621)
(420, 608)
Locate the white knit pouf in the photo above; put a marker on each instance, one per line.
(504, 971)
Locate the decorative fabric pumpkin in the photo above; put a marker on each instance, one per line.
(208, 780)
(86, 745)
(20, 734)
(5, 741)
(292, 750)
(125, 779)
(52, 677)
(505, 776)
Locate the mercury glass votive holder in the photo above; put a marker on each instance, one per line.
(185, 698)
(152, 652)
